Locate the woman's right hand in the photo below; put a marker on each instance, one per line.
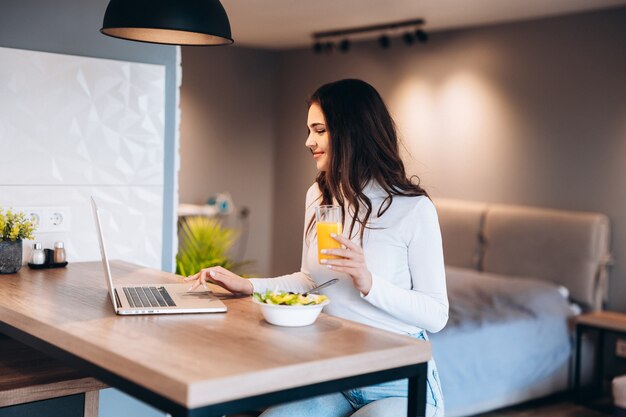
(222, 277)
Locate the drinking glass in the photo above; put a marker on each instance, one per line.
(328, 219)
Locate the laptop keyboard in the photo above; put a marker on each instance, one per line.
(148, 297)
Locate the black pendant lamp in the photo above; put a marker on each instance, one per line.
(173, 22)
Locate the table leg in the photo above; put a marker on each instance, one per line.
(417, 392)
(577, 370)
(91, 404)
(599, 362)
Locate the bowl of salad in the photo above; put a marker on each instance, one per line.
(290, 309)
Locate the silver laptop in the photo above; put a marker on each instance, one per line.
(154, 298)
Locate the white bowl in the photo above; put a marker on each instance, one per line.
(291, 316)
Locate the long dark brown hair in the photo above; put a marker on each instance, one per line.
(363, 148)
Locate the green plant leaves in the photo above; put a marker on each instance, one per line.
(15, 226)
(204, 242)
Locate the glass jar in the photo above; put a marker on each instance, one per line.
(59, 253)
(38, 257)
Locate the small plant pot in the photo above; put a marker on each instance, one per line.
(10, 256)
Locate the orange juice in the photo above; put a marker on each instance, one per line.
(324, 241)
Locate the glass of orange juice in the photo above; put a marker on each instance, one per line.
(328, 219)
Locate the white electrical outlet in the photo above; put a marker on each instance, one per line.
(34, 216)
(56, 219)
(48, 219)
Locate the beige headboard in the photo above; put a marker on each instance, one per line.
(568, 248)
(461, 227)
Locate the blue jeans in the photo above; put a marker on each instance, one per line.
(388, 399)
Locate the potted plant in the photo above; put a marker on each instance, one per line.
(205, 242)
(14, 227)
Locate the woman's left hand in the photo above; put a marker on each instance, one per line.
(352, 263)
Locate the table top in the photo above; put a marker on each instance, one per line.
(192, 359)
(610, 320)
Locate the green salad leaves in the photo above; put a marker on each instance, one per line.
(288, 298)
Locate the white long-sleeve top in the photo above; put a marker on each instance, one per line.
(403, 251)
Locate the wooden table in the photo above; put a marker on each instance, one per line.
(200, 364)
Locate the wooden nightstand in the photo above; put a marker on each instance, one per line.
(609, 350)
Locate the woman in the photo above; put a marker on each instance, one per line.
(391, 266)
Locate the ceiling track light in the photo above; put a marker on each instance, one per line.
(421, 36)
(344, 46)
(323, 40)
(384, 41)
(408, 39)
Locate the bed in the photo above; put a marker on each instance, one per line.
(516, 277)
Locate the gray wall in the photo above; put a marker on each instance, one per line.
(528, 113)
(72, 27)
(227, 137)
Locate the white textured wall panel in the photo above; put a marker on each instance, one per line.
(71, 127)
(77, 120)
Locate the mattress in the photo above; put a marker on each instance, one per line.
(507, 340)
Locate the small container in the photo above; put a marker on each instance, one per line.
(38, 257)
(49, 256)
(59, 253)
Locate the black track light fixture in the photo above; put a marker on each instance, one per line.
(344, 45)
(384, 41)
(421, 36)
(408, 39)
(322, 40)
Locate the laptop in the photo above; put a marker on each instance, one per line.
(153, 298)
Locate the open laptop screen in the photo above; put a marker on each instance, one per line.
(105, 260)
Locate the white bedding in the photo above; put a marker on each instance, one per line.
(507, 340)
